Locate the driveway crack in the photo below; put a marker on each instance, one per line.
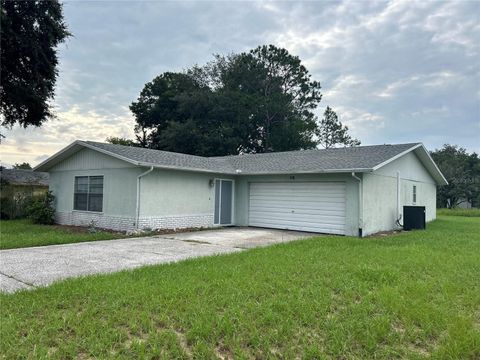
(18, 280)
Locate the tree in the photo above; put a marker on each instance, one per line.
(121, 141)
(462, 171)
(30, 32)
(286, 99)
(332, 132)
(258, 101)
(23, 166)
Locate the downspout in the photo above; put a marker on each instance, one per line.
(137, 208)
(360, 204)
(399, 211)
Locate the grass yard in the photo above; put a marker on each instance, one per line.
(459, 212)
(23, 233)
(413, 295)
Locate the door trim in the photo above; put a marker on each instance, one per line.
(232, 222)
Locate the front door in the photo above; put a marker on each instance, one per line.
(223, 202)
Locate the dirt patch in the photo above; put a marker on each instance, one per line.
(385, 234)
(86, 229)
(78, 229)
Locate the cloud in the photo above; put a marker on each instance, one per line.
(396, 71)
(33, 146)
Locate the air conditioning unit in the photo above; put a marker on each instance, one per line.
(413, 217)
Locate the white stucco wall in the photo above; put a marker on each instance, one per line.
(177, 199)
(119, 190)
(380, 193)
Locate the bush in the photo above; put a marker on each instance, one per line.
(41, 210)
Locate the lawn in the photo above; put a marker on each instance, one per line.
(23, 233)
(413, 295)
(459, 212)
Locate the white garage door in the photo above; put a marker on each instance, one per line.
(305, 206)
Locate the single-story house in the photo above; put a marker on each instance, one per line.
(17, 188)
(346, 191)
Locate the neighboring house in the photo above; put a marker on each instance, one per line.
(464, 204)
(18, 186)
(347, 191)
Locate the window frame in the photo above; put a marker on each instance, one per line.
(414, 194)
(88, 192)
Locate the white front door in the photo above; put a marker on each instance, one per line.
(305, 206)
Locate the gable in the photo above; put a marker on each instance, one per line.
(410, 168)
(87, 159)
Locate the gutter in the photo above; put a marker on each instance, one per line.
(360, 204)
(137, 208)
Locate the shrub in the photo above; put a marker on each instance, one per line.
(41, 210)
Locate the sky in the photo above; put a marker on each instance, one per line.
(395, 72)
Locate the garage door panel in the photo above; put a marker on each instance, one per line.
(298, 212)
(310, 203)
(300, 217)
(299, 192)
(292, 197)
(305, 206)
(322, 228)
(314, 212)
(297, 185)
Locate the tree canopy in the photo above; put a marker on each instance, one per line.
(257, 101)
(22, 166)
(121, 141)
(462, 171)
(30, 32)
(332, 132)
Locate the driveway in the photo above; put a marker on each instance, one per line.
(29, 268)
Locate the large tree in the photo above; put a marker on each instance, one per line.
(30, 33)
(258, 101)
(462, 171)
(282, 98)
(331, 132)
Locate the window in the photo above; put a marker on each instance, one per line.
(414, 193)
(88, 193)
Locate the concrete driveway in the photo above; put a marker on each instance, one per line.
(28, 268)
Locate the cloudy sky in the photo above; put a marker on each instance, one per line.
(394, 71)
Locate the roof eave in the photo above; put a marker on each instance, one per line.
(51, 161)
(434, 171)
(182, 168)
(317, 171)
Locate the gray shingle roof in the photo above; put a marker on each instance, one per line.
(24, 177)
(329, 160)
(164, 158)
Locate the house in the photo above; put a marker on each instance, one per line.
(18, 187)
(345, 191)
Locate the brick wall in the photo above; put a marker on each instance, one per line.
(176, 222)
(80, 218)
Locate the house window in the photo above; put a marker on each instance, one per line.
(414, 194)
(88, 194)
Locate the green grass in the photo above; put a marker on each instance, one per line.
(459, 212)
(23, 233)
(409, 296)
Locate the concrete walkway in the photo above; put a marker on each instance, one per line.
(28, 268)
